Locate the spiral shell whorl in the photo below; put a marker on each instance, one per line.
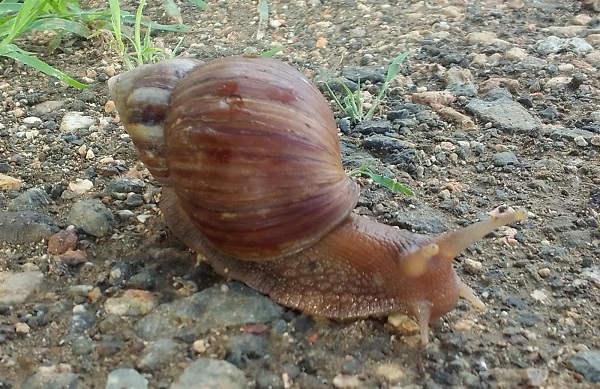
(253, 155)
(141, 97)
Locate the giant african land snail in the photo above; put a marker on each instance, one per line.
(252, 179)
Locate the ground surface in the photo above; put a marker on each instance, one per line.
(525, 74)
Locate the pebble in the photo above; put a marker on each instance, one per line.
(15, 288)
(504, 113)
(133, 302)
(505, 158)
(93, 217)
(125, 378)
(535, 376)
(52, 380)
(587, 363)
(544, 272)
(580, 141)
(194, 315)
(344, 381)
(210, 373)
(124, 185)
(80, 186)
(391, 372)
(22, 328)
(550, 45)
(25, 227)
(8, 182)
(579, 46)
(33, 199)
(158, 354)
(374, 127)
(62, 241)
(73, 121)
(246, 346)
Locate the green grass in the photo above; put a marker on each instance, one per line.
(31, 15)
(353, 105)
(389, 183)
(65, 17)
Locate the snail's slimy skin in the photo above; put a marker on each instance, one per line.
(247, 141)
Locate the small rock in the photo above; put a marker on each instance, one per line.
(8, 182)
(73, 121)
(586, 363)
(504, 113)
(199, 346)
(579, 46)
(157, 354)
(133, 302)
(34, 199)
(544, 272)
(72, 257)
(246, 346)
(539, 295)
(505, 158)
(391, 372)
(125, 378)
(15, 288)
(124, 185)
(210, 373)
(25, 227)
(374, 127)
(472, 266)
(22, 328)
(192, 316)
(93, 217)
(52, 380)
(80, 186)
(62, 241)
(344, 381)
(550, 45)
(580, 141)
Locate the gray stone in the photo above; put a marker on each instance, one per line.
(504, 114)
(73, 121)
(93, 217)
(25, 227)
(374, 127)
(34, 199)
(420, 220)
(245, 346)
(189, 317)
(505, 158)
(15, 288)
(550, 45)
(207, 373)
(374, 74)
(124, 185)
(572, 133)
(586, 363)
(157, 354)
(579, 46)
(379, 142)
(52, 380)
(126, 378)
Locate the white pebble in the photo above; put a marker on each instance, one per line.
(580, 141)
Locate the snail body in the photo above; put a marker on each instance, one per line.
(247, 152)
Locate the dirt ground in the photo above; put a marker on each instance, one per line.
(539, 279)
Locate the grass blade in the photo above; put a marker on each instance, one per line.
(15, 53)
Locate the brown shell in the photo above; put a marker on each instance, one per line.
(141, 97)
(253, 154)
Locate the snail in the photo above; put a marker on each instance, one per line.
(247, 152)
